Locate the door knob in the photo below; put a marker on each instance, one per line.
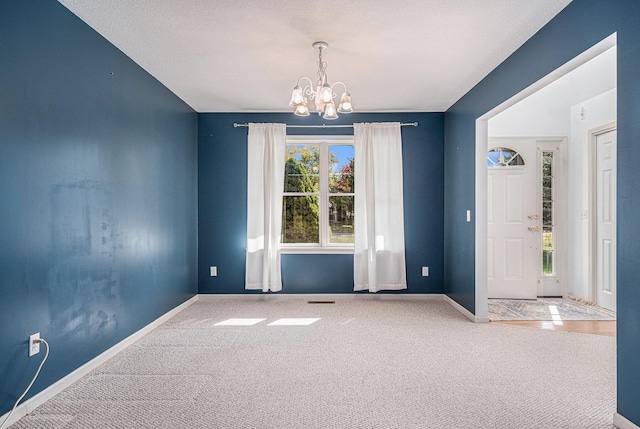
(534, 228)
(534, 217)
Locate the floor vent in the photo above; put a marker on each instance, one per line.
(321, 302)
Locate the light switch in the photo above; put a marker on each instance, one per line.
(213, 271)
(425, 271)
(468, 215)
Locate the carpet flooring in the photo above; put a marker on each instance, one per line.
(546, 309)
(352, 364)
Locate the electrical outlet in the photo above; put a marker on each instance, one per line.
(213, 271)
(425, 271)
(34, 346)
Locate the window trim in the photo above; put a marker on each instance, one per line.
(324, 247)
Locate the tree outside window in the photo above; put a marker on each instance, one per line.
(318, 194)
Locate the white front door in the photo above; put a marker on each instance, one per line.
(513, 215)
(606, 219)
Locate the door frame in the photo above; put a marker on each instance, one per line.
(481, 139)
(593, 207)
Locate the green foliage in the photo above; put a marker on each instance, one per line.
(341, 207)
(308, 162)
(342, 181)
(300, 213)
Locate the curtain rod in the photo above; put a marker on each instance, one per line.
(403, 124)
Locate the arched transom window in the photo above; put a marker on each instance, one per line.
(503, 157)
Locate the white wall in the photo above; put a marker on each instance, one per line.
(544, 113)
(598, 111)
(547, 111)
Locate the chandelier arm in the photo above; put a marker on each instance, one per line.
(301, 78)
(307, 89)
(334, 95)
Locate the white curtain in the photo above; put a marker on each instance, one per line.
(379, 257)
(265, 184)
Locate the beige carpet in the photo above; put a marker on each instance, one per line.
(363, 364)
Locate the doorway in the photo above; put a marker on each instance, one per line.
(577, 216)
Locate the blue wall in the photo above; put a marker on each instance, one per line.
(222, 166)
(98, 215)
(578, 27)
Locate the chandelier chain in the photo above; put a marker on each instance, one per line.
(322, 68)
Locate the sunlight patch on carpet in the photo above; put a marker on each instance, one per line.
(239, 322)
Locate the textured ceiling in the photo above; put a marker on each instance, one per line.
(246, 55)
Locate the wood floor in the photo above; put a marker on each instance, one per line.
(596, 327)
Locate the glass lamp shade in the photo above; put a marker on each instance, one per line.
(302, 109)
(318, 98)
(297, 98)
(345, 103)
(330, 111)
(325, 94)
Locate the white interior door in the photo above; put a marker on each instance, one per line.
(606, 219)
(513, 221)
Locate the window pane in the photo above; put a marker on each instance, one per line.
(547, 240)
(302, 168)
(546, 189)
(341, 219)
(547, 161)
(547, 262)
(547, 214)
(300, 219)
(503, 157)
(341, 169)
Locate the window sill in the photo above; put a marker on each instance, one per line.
(316, 250)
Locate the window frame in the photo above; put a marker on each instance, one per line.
(324, 245)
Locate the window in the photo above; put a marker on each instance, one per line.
(503, 157)
(317, 206)
(547, 214)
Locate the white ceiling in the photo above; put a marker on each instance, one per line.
(246, 55)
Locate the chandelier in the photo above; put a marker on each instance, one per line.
(323, 95)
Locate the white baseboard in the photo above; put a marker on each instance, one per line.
(623, 423)
(469, 315)
(57, 387)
